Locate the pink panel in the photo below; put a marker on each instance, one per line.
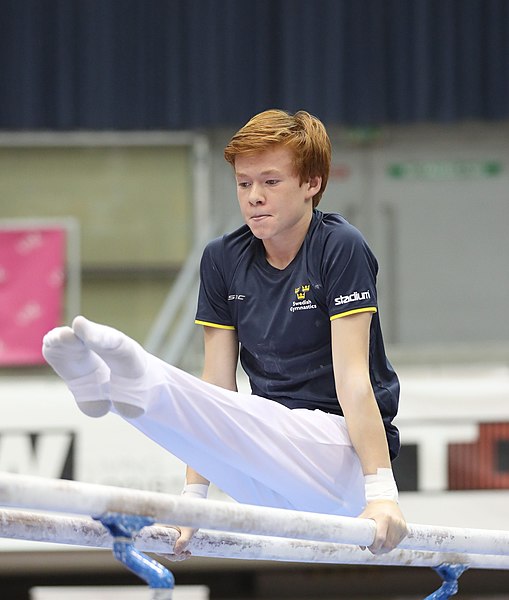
(32, 266)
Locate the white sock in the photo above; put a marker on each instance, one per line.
(85, 374)
(126, 358)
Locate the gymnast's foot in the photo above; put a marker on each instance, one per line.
(86, 375)
(126, 359)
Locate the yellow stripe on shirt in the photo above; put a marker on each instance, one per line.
(354, 311)
(216, 325)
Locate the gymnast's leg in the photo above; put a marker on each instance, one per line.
(86, 375)
(244, 444)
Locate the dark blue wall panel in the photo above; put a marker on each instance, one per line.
(178, 64)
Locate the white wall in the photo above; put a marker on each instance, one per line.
(195, 592)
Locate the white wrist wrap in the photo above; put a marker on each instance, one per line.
(381, 486)
(195, 490)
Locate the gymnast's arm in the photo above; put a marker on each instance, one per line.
(221, 357)
(220, 368)
(350, 352)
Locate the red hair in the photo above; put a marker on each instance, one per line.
(302, 133)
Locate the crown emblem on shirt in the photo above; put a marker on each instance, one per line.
(300, 291)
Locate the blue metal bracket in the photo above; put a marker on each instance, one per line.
(123, 528)
(450, 575)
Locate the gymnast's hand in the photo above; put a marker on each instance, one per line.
(195, 487)
(390, 525)
(180, 551)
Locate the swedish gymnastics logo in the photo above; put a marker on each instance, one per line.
(302, 303)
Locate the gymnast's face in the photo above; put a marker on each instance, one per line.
(275, 205)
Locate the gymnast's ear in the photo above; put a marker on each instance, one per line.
(314, 185)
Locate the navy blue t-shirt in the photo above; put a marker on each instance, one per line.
(283, 317)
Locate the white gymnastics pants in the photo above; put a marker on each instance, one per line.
(256, 450)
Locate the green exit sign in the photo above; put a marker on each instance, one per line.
(440, 170)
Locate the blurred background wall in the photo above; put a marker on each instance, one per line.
(414, 92)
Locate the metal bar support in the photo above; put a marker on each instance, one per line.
(123, 528)
(449, 574)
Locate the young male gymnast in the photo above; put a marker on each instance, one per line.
(294, 289)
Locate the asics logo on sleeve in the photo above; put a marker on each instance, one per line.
(352, 298)
(236, 297)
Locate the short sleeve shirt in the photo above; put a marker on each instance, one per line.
(283, 317)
